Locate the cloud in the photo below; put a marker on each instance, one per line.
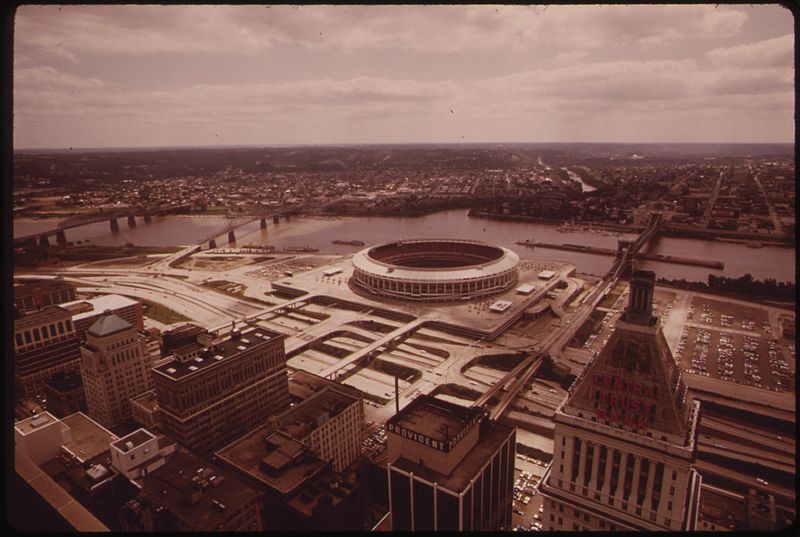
(105, 30)
(50, 76)
(776, 52)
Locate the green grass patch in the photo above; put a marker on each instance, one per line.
(162, 314)
(535, 453)
(408, 374)
(457, 390)
(588, 327)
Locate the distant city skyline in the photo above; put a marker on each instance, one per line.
(174, 76)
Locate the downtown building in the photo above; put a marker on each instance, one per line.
(210, 393)
(626, 436)
(34, 295)
(45, 343)
(449, 468)
(115, 368)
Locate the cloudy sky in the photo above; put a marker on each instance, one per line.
(143, 76)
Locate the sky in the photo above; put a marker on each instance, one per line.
(163, 76)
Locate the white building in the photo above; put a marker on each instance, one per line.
(115, 367)
(140, 452)
(625, 437)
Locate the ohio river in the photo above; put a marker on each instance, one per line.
(767, 262)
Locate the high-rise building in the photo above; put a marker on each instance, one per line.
(45, 342)
(450, 468)
(35, 295)
(210, 393)
(626, 436)
(115, 368)
(328, 422)
(64, 393)
(86, 312)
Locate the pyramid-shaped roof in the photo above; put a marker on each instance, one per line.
(109, 324)
(634, 381)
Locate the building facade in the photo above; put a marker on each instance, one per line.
(64, 393)
(45, 343)
(115, 368)
(32, 296)
(329, 423)
(86, 312)
(450, 468)
(626, 436)
(210, 393)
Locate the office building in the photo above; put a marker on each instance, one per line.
(301, 491)
(450, 468)
(64, 393)
(34, 295)
(86, 312)
(210, 393)
(175, 490)
(45, 342)
(329, 423)
(179, 337)
(625, 437)
(115, 368)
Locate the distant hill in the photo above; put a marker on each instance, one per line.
(117, 164)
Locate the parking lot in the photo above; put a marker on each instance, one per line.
(527, 507)
(735, 343)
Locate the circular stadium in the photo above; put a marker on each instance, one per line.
(434, 270)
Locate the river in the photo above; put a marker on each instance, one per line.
(767, 262)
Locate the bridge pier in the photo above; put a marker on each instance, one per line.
(31, 241)
(61, 238)
(44, 241)
(148, 218)
(114, 224)
(132, 221)
(275, 219)
(231, 237)
(263, 223)
(212, 244)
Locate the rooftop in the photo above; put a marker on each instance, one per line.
(33, 423)
(187, 329)
(278, 461)
(435, 418)
(147, 400)
(182, 364)
(109, 324)
(136, 438)
(306, 416)
(492, 436)
(196, 490)
(48, 314)
(65, 381)
(89, 438)
(98, 304)
(303, 385)
(42, 286)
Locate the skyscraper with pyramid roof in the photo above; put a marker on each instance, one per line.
(626, 435)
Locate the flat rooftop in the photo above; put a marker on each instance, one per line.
(434, 418)
(98, 305)
(176, 369)
(184, 474)
(302, 418)
(274, 459)
(147, 400)
(492, 436)
(34, 423)
(48, 314)
(89, 438)
(64, 381)
(136, 438)
(303, 385)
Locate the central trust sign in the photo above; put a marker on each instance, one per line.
(625, 401)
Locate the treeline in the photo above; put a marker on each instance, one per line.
(743, 285)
